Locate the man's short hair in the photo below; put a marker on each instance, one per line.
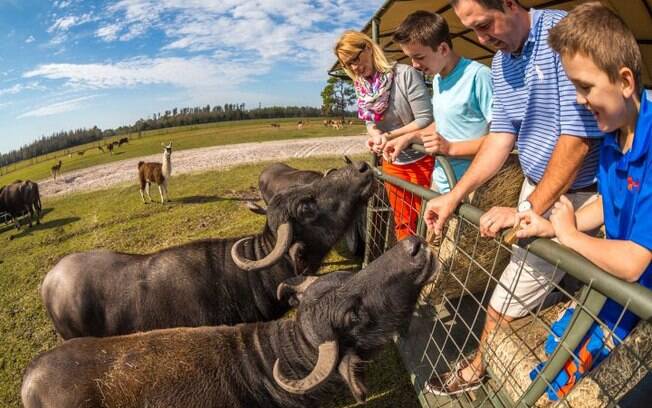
(595, 31)
(425, 28)
(488, 4)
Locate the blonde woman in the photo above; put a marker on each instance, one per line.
(393, 100)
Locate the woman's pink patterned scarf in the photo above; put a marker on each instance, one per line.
(373, 96)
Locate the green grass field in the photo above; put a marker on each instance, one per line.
(206, 205)
(186, 137)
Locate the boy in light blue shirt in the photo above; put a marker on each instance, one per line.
(462, 95)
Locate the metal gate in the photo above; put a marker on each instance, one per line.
(449, 318)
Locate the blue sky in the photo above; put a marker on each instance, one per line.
(67, 64)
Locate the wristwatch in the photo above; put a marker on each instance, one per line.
(524, 206)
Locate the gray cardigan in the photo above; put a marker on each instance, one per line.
(409, 101)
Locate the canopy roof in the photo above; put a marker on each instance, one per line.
(636, 13)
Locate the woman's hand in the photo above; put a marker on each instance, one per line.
(395, 146)
(376, 143)
(435, 143)
(532, 224)
(563, 220)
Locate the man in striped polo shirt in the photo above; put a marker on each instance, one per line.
(558, 143)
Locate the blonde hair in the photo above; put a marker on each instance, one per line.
(351, 43)
(593, 30)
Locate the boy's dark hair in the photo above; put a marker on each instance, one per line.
(425, 28)
(488, 4)
(593, 30)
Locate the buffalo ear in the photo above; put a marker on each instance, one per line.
(297, 256)
(349, 370)
(353, 314)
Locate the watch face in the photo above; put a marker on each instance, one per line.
(524, 206)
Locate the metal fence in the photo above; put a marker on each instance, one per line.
(447, 325)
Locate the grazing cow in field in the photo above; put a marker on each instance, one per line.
(80, 153)
(56, 170)
(158, 173)
(109, 147)
(208, 282)
(275, 125)
(124, 140)
(100, 148)
(342, 322)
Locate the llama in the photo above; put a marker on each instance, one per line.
(56, 169)
(156, 173)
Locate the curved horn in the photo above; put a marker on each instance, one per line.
(326, 363)
(299, 288)
(347, 159)
(329, 171)
(283, 241)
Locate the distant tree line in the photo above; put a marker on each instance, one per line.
(170, 118)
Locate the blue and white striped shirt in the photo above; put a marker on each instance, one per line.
(535, 100)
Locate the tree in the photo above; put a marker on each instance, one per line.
(337, 96)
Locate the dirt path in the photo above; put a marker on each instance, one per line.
(200, 160)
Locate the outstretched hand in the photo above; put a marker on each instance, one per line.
(395, 146)
(438, 211)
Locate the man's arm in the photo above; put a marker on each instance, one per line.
(494, 151)
(565, 162)
(591, 216)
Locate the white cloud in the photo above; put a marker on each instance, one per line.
(197, 72)
(62, 4)
(30, 39)
(58, 107)
(18, 88)
(274, 30)
(63, 24)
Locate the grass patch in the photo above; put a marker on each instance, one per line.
(204, 205)
(183, 137)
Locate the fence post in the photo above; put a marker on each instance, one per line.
(581, 321)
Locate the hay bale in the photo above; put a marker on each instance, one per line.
(515, 349)
(467, 265)
(619, 373)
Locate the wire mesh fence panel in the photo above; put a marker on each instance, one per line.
(481, 282)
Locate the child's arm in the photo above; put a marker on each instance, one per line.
(626, 260)
(590, 216)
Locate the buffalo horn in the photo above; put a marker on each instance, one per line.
(284, 288)
(326, 363)
(329, 171)
(283, 241)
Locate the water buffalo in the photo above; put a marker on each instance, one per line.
(208, 282)
(342, 321)
(279, 176)
(21, 197)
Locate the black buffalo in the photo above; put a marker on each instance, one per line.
(19, 198)
(278, 177)
(342, 321)
(208, 282)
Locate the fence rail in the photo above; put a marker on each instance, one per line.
(446, 329)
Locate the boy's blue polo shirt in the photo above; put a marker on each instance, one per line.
(625, 183)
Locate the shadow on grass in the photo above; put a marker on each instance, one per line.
(199, 199)
(26, 231)
(23, 221)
